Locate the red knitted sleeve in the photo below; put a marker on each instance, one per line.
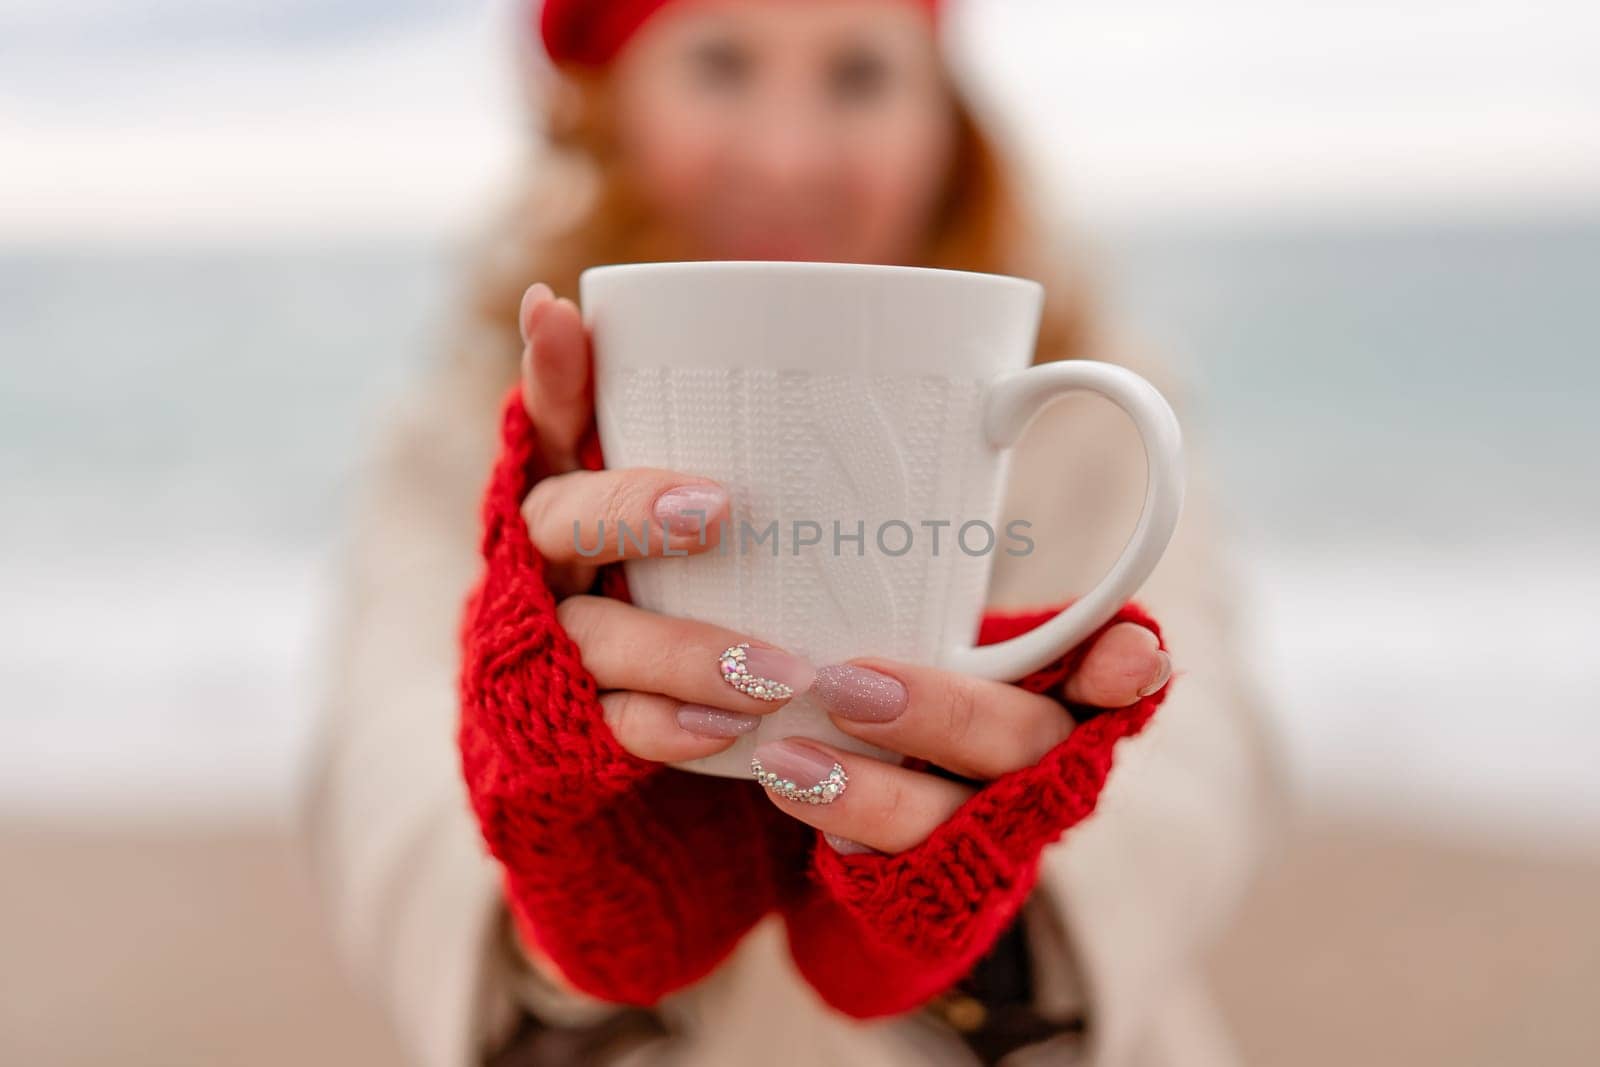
(881, 935)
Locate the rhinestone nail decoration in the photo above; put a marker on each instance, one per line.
(824, 792)
(736, 672)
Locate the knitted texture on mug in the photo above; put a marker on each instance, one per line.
(637, 879)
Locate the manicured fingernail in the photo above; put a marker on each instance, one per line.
(765, 673)
(858, 694)
(689, 510)
(1163, 673)
(714, 722)
(797, 771)
(536, 293)
(846, 847)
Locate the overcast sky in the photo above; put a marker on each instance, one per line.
(225, 117)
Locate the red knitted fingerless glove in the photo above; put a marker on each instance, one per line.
(880, 935)
(634, 878)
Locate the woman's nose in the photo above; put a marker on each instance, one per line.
(785, 147)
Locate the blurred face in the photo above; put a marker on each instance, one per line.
(780, 129)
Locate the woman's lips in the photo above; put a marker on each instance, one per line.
(787, 241)
(778, 249)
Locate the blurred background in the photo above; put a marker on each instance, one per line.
(231, 232)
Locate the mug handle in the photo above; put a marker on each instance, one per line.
(1011, 404)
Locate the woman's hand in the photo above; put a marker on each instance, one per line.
(627, 879)
(921, 874)
(567, 507)
(663, 697)
(977, 730)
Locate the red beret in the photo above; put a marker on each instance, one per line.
(589, 33)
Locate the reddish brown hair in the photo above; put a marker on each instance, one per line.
(580, 212)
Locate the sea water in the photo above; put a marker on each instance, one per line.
(1402, 419)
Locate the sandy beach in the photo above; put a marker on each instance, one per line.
(1362, 945)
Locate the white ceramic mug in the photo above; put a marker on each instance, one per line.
(880, 399)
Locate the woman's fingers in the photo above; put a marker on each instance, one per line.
(599, 517)
(665, 730)
(583, 519)
(1125, 664)
(855, 797)
(628, 648)
(978, 728)
(974, 727)
(580, 520)
(555, 375)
